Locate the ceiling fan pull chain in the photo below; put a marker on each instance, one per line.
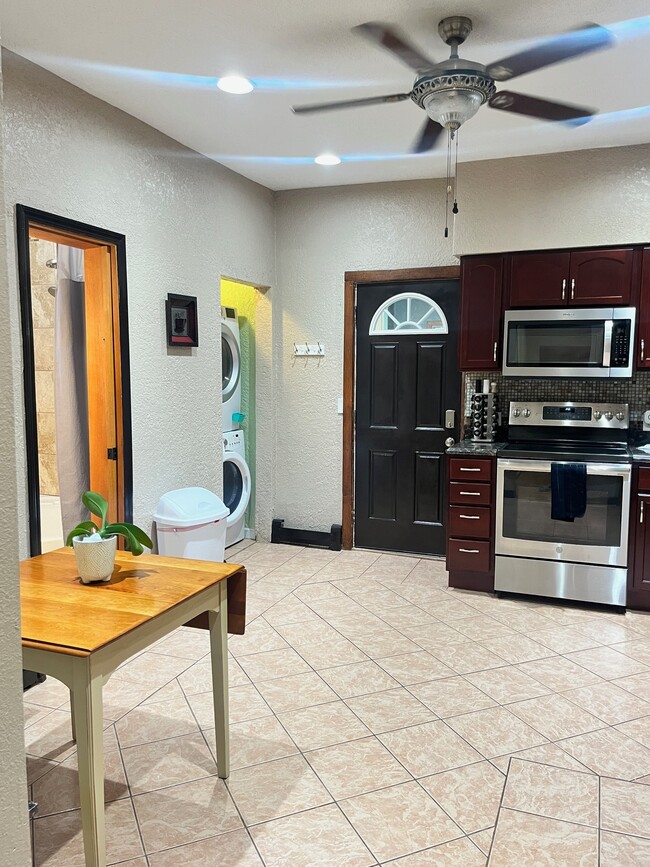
(454, 210)
(448, 182)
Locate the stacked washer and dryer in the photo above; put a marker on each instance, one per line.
(236, 473)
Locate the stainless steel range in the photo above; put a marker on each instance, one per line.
(584, 558)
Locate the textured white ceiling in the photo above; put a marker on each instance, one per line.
(157, 60)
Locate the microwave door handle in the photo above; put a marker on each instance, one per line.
(607, 342)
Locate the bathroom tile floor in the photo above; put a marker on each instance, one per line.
(376, 718)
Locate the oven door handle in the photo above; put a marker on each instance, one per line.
(607, 342)
(593, 469)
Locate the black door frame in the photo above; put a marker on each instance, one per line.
(25, 216)
(355, 280)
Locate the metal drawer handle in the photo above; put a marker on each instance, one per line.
(471, 517)
(470, 493)
(564, 289)
(470, 469)
(469, 550)
(573, 288)
(641, 511)
(642, 349)
(494, 354)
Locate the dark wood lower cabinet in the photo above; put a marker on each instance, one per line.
(470, 524)
(638, 581)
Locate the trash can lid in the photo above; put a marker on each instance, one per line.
(187, 506)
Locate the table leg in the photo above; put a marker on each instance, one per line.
(72, 725)
(87, 715)
(218, 621)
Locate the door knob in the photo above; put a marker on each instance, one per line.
(449, 442)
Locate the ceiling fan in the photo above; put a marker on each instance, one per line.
(451, 92)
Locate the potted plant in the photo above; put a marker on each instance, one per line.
(95, 547)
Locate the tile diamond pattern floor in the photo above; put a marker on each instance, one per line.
(370, 705)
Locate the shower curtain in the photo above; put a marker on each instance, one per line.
(70, 386)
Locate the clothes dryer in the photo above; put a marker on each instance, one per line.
(236, 484)
(230, 368)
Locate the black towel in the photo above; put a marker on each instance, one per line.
(568, 491)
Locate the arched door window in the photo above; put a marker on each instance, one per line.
(409, 313)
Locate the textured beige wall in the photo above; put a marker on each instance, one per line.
(14, 836)
(186, 220)
(563, 200)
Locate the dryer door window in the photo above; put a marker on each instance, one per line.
(233, 485)
(226, 364)
(230, 363)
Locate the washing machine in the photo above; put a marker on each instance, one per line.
(236, 484)
(230, 367)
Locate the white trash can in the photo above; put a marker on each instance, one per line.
(191, 523)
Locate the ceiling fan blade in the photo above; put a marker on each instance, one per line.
(349, 103)
(393, 40)
(531, 106)
(588, 37)
(428, 138)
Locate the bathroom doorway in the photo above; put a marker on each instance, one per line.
(72, 280)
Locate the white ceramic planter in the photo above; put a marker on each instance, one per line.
(95, 560)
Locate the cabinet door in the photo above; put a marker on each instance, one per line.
(643, 345)
(641, 516)
(539, 279)
(481, 306)
(601, 277)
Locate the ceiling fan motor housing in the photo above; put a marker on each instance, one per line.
(453, 91)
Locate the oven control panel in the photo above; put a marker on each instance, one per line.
(570, 414)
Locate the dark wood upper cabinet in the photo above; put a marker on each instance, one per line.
(601, 277)
(539, 279)
(643, 342)
(481, 308)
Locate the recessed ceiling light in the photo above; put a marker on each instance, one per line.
(235, 84)
(327, 160)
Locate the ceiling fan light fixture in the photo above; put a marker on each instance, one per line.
(235, 84)
(327, 160)
(452, 108)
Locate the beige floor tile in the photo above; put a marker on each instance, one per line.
(276, 789)
(555, 717)
(323, 725)
(609, 753)
(483, 840)
(51, 693)
(120, 695)
(607, 632)
(51, 737)
(232, 849)
(359, 678)
(356, 767)
(289, 612)
(296, 691)
(558, 673)
(170, 692)
(451, 696)
(564, 639)
(546, 754)
(33, 713)
(198, 678)
(525, 618)
(390, 564)
(339, 651)
(168, 763)
(637, 684)
(458, 853)
(273, 664)
(36, 768)
(316, 837)
(506, 685)
(409, 615)
(185, 642)
(466, 658)
(556, 793)
(258, 638)
(245, 703)
(58, 790)
(517, 648)
(399, 820)
(638, 730)
(437, 636)
(470, 795)
(313, 632)
(638, 649)
(609, 702)
(58, 839)
(389, 642)
(185, 813)
(389, 710)
(521, 838)
(429, 748)
(607, 663)
(625, 807)
(153, 669)
(255, 741)
(409, 668)
(153, 722)
(447, 610)
(482, 628)
(619, 850)
(495, 731)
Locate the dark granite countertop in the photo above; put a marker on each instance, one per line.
(469, 447)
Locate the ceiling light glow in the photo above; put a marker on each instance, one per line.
(327, 160)
(235, 84)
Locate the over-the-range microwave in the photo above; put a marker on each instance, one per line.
(597, 342)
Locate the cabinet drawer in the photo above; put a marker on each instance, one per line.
(644, 479)
(470, 469)
(474, 523)
(470, 494)
(465, 555)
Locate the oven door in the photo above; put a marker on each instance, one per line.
(524, 527)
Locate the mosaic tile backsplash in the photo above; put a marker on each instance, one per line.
(635, 391)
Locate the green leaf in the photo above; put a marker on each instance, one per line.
(140, 535)
(86, 528)
(96, 504)
(123, 530)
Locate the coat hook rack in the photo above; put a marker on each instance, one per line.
(309, 349)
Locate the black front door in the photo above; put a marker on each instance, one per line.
(407, 379)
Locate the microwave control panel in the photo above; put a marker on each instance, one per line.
(620, 356)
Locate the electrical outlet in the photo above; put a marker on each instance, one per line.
(646, 420)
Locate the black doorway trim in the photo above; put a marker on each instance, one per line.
(24, 217)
